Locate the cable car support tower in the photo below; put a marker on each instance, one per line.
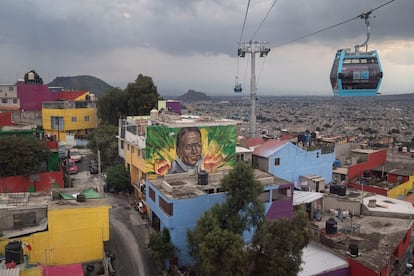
(252, 48)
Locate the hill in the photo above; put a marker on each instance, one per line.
(94, 85)
(193, 96)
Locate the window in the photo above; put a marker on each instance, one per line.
(74, 119)
(168, 208)
(11, 88)
(151, 194)
(15, 101)
(4, 101)
(57, 123)
(86, 118)
(122, 144)
(277, 161)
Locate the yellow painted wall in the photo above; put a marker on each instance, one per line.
(37, 271)
(75, 235)
(67, 115)
(401, 189)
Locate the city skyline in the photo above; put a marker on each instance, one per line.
(186, 45)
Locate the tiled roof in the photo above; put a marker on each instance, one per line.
(70, 95)
(269, 147)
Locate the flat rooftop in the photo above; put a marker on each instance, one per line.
(185, 185)
(376, 237)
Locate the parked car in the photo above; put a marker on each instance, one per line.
(75, 155)
(71, 165)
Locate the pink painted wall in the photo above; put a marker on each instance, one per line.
(32, 95)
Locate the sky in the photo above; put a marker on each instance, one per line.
(192, 44)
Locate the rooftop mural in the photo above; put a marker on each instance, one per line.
(177, 150)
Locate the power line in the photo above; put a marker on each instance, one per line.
(363, 15)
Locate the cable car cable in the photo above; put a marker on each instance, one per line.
(333, 26)
(237, 86)
(264, 19)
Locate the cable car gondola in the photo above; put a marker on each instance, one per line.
(237, 87)
(356, 73)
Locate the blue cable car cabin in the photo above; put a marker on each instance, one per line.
(356, 74)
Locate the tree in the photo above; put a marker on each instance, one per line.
(104, 139)
(118, 178)
(112, 106)
(22, 156)
(217, 244)
(160, 246)
(142, 96)
(137, 99)
(277, 245)
(216, 250)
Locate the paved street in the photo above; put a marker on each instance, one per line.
(129, 233)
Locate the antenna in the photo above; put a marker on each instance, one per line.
(252, 48)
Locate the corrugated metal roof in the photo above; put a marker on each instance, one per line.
(268, 148)
(302, 197)
(10, 272)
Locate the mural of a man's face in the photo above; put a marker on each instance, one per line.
(189, 149)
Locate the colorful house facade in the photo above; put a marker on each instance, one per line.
(65, 119)
(149, 146)
(291, 162)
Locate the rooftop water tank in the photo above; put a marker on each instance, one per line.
(353, 249)
(331, 226)
(202, 178)
(341, 190)
(14, 252)
(154, 114)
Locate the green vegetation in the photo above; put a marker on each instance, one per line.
(104, 139)
(160, 246)
(118, 178)
(217, 245)
(22, 156)
(137, 99)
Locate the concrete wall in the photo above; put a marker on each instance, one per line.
(335, 202)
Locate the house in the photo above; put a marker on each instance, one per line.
(372, 232)
(285, 160)
(69, 120)
(9, 101)
(149, 148)
(56, 229)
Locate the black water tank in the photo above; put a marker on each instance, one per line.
(331, 226)
(14, 252)
(202, 178)
(333, 189)
(341, 190)
(353, 249)
(80, 198)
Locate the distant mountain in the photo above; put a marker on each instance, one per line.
(92, 84)
(193, 96)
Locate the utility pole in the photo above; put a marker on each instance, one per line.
(253, 48)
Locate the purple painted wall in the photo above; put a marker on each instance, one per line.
(340, 272)
(32, 95)
(280, 208)
(175, 106)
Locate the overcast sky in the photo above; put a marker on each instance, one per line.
(192, 44)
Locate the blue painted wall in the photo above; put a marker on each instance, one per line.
(186, 213)
(296, 162)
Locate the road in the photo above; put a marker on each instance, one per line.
(129, 233)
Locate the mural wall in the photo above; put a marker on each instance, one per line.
(177, 150)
